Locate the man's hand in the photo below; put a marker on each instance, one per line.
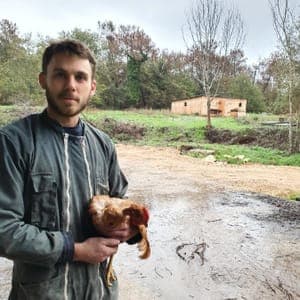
(122, 232)
(95, 250)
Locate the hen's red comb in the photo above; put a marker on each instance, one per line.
(146, 215)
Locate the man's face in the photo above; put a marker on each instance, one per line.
(69, 85)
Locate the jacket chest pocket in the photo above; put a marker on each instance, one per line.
(44, 206)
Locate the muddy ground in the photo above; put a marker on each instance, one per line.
(217, 231)
(267, 137)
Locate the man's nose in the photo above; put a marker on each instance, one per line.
(71, 83)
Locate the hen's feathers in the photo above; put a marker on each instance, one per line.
(111, 212)
(144, 245)
(107, 211)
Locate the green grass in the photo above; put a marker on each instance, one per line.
(147, 118)
(254, 155)
(162, 128)
(165, 129)
(154, 118)
(294, 196)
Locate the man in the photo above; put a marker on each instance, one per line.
(51, 164)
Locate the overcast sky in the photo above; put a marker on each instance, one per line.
(162, 20)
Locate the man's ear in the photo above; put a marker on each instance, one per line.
(93, 87)
(42, 80)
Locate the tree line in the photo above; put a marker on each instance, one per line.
(133, 73)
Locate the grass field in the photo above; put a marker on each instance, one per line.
(160, 128)
(165, 129)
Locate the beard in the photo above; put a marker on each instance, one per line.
(65, 110)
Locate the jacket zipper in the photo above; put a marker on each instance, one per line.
(84, 150)
(83, 144)
(67, 198)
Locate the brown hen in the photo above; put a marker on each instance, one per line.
(111, 212)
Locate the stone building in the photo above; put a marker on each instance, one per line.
(219, 107)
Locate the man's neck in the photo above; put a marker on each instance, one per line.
(62, 120)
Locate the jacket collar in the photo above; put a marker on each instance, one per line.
(55, 125)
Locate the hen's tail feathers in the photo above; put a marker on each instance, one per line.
(144, 245)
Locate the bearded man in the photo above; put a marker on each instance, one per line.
(51, 164)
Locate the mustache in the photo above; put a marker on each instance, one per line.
(66, 94)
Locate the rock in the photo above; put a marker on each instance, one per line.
(204, 152)
(210, 158)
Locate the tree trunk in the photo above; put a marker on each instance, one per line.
(208, 125)
(290, 118)
(298, 134)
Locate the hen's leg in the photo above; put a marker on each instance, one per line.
(110, 277)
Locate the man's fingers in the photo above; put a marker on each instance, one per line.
(113, 243)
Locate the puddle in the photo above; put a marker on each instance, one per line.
(209, 245)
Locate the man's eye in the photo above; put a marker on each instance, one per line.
(59, 75)
(81, 77)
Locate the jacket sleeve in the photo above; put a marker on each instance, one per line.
(19, 240)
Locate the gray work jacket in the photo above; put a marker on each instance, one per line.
(47, 178)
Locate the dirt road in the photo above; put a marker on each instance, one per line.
(211, 237)
(215, 231)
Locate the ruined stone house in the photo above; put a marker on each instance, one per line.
(219, 107)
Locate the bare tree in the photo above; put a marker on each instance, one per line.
(211, 34)
(285, 26)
